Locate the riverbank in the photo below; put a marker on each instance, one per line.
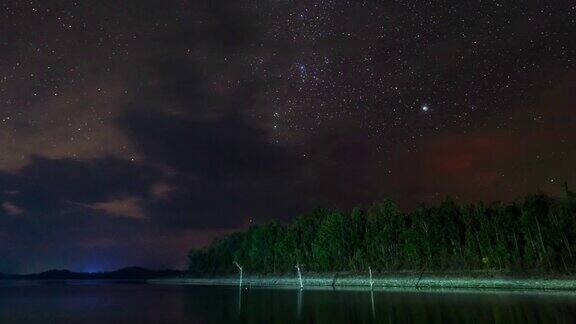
(406, 281)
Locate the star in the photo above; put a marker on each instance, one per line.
(425, 108)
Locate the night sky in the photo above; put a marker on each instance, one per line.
(131, 131)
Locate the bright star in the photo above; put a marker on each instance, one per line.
(424, 108)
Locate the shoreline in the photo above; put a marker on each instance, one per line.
(402, 282)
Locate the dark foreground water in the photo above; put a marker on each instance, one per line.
(98, 302)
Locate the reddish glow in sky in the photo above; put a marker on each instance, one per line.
(131, 131)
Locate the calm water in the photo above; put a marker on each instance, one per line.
(97, 302)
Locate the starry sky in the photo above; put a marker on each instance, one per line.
(131, 131)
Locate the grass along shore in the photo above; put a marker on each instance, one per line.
(419, 281)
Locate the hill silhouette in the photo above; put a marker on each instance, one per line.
(128, 273)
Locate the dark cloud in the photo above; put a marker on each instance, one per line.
(131, 131)
(212, 160)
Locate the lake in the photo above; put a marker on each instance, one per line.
(109, 302)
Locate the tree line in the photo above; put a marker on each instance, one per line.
(537, 233)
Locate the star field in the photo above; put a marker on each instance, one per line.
(154, 126)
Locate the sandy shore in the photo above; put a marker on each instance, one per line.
(416, 281)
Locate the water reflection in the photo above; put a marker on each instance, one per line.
(93, 303)
(372, 303)
(299, 311)
(240, 299)
(326, 306)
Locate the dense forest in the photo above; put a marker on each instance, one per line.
(535, 234)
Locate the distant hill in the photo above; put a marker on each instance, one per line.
(124, 273)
